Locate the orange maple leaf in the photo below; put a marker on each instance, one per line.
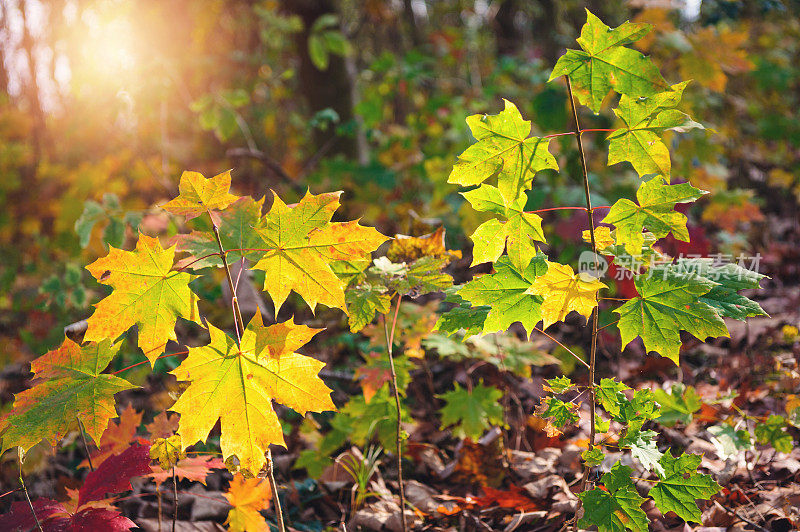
(248, 496)
(117, 437)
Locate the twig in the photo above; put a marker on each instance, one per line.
(174, 498)
(389, 343)
(85, 446)
(568, 350)
(158, 495)
(274, 488)
(595, 312)
(741, 517)
(28, 497)
(259, 155)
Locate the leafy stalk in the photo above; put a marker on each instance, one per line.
(596, 312)
(239, 322)
(389, 342)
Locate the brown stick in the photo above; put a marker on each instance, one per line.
(389, 343)
(24, 489)
(596, 312)
(85, 446)
(174, 499)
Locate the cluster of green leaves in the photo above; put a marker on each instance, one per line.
(525, 286)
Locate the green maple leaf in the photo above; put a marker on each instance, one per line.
(609, 394)
(505, 292)
(471, 412)
(773, 432)
(236, 232)
(645, 118)
(363, 301)
(423, 276)
(680, 486)
(503, 145)
(616, 508)
(655, 211)
(360, 421)
(68, 384)
(463, 316)
(558, 384)
(593, 457)
(604, 63)
(560, 412)
(514, 234)
(678, 404)
(665, 307)
(728, 441)
(642, 444)
(728, 279)
(639, 409)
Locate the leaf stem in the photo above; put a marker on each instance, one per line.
(389, 344)
(577, 132)
(239, 326)
(85, 446)
(596, 311)
(174, 498)
(567, 349)
(24, 489)
(608, 325)
(274, 488)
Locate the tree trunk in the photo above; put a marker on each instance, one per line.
(332, 88)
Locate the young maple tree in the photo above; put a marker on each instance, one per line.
(233, 379)
(692, 295)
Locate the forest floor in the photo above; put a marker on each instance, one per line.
(518, 478)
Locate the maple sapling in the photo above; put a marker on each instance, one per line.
(526, 287)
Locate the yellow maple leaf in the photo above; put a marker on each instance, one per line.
(302, 243)
(146, 293)
(248, 496)
(410, 248)
(563, 291)
(238, 384)
(199, 195)
(168, 451)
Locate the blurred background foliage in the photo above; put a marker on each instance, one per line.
(104, 102)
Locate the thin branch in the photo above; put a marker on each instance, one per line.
(85, 446)
(28, 497)
(259, 155)
(399, 434)
(608, 325)
(174, 498)
(595, 312)
(578, 132)
(556, 209)
(567, 349)
(741, 517)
